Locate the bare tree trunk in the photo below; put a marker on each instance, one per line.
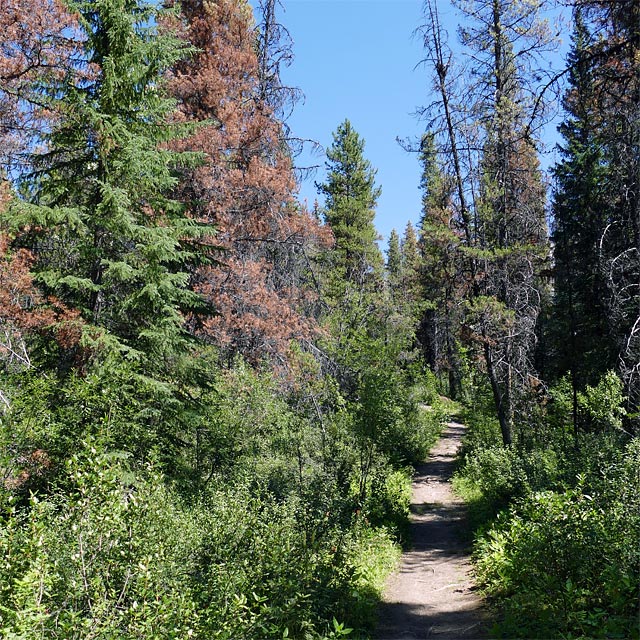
(498, 398)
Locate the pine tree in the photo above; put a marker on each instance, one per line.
(498, 200)
(514, 238)
(274, 47)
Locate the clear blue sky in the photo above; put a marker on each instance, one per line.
(354, 59)
(357, 59)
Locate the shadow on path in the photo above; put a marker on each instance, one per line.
(432, 595)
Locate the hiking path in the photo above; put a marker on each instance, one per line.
(431, 594)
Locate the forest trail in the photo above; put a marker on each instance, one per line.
(431, 594)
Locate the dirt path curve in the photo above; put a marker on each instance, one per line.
(431, 595)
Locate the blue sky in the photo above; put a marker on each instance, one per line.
(357, 59)
(354, 59)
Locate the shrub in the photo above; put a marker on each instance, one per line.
(498, 472)
(121, 556)
(388, 500)
(564, 563)
(106, 560)
(601, 408)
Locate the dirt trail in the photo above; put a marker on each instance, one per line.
(431, 595)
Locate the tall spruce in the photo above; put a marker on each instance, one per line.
(411, 268)
(106, 237)
(582, 343)
(403, 269)
(617, 87)
(597, 202)
(353, 268)
(350, 200)
(443, 281)
(393, 264)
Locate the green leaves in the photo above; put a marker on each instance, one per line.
(116, 243)
(549, 561)
(602, 407)
(558, 555)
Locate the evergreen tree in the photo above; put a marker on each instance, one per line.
(275, 52)
(394, 261)
(403, 269)
(350, 200)
(442, 278)
(513, 242)
(581, 340)
(411, 267)
(617, 87)
(598, 197)
(106, 237)
(498, 200)
(353, 267)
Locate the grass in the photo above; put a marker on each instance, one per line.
(480, 512)
(374, 556)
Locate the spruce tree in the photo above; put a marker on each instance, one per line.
(411, 268)
(394, 261)
(107, 238)
(350, 200)
(353, 267)
(442, 278)
(614, 56)
(403, 273)
(581, 340)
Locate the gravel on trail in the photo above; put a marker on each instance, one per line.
(431, 595)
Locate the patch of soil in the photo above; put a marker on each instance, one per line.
(432, 595)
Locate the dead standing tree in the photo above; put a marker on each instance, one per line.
(482, 122)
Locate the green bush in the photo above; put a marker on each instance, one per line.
(557, 515)
(106, 560)
(564, 564)
(499, 474)
(121, 556)
(255, 518)
(388, 499)
(601, 408)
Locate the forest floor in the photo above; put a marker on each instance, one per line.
(432, 594)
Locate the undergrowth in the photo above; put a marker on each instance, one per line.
(556, 519)
(257, 522)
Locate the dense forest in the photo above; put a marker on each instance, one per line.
(211, 398)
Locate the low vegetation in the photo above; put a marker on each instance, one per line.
(272, 525)
(556, 517)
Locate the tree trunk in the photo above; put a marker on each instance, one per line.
(499, 399)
